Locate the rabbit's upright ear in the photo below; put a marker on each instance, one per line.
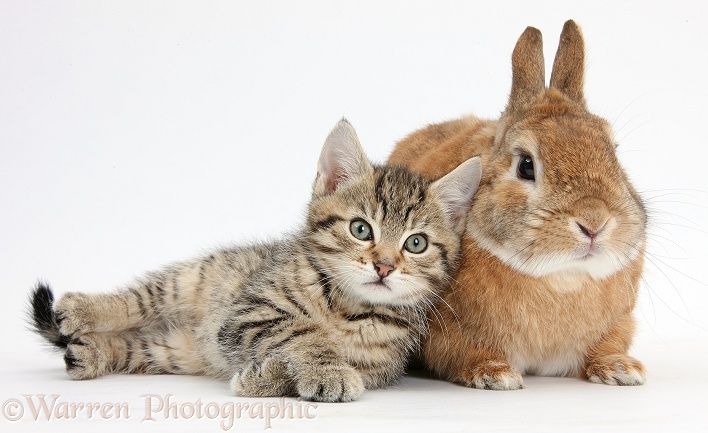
(569, 66)
(527, 69)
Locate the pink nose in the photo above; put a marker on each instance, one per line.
(592, 234)
(383, 270)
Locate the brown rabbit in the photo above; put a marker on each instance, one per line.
(555, 239)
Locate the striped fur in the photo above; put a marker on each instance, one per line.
(308, 315)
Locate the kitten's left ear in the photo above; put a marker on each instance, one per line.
(456, 189)
(342, 160)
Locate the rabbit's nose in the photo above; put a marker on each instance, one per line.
(586, 231)
(590, 231)
(591, 216)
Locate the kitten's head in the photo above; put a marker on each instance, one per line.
(384, 235)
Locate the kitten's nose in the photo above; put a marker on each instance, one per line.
(383, 270)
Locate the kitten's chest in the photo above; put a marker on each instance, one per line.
(374, 337)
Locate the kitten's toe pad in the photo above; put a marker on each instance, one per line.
(616, 370)
(495, 375)
(84, 359)
(266, 379)
(338, 382)
(73, 314)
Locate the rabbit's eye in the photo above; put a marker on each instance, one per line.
(525, 170)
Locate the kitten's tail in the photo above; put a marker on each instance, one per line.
(42, 318)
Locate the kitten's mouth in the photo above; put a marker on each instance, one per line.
(380, 285)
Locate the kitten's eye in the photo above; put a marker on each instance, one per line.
(416, 244)
(525, 169)
(361, 230)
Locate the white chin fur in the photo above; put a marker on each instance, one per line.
(398, 292)
(600, 266)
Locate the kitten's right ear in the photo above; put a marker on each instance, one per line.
(342, 160)
(456, 189)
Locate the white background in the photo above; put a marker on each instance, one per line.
(136, 133)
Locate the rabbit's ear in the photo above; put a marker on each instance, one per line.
(527, 68)
(569, 65)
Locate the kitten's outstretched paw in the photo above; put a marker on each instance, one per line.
(492, 374)
(84, 359)
(266, 379)
(338, 382)
(73, 314)
(615, 370)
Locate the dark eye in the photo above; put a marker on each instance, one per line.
(525, 170)
(416, 244)
(361, 230)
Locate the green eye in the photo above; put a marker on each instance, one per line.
(416, 244)
(361, 230)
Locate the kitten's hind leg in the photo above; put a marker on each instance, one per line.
(155, 352)
(92, 355)
(80, 313)
(265, 379)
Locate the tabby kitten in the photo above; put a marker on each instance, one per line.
(334, 308)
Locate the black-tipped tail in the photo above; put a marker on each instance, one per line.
(44, 321)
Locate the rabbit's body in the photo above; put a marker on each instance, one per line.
(550, 326)
(554, 248)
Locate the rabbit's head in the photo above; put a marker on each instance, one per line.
(554, 198)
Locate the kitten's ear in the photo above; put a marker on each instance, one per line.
(342, 160)
(456, 189)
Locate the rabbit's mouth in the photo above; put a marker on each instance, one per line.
(588, 257)
(591, 251)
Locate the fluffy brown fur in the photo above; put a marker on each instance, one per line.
(551, 260)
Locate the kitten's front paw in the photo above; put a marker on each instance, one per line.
(84, 359)
(73, 314)
(330, 383)
(615, 370)
(266, 379)
(492, 374)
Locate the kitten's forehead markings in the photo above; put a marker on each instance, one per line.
(370, 207)
(376, 227)
(382, 209)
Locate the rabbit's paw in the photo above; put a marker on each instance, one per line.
(337, 382)
(492, 374)
(615, 370)
(266, 379)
